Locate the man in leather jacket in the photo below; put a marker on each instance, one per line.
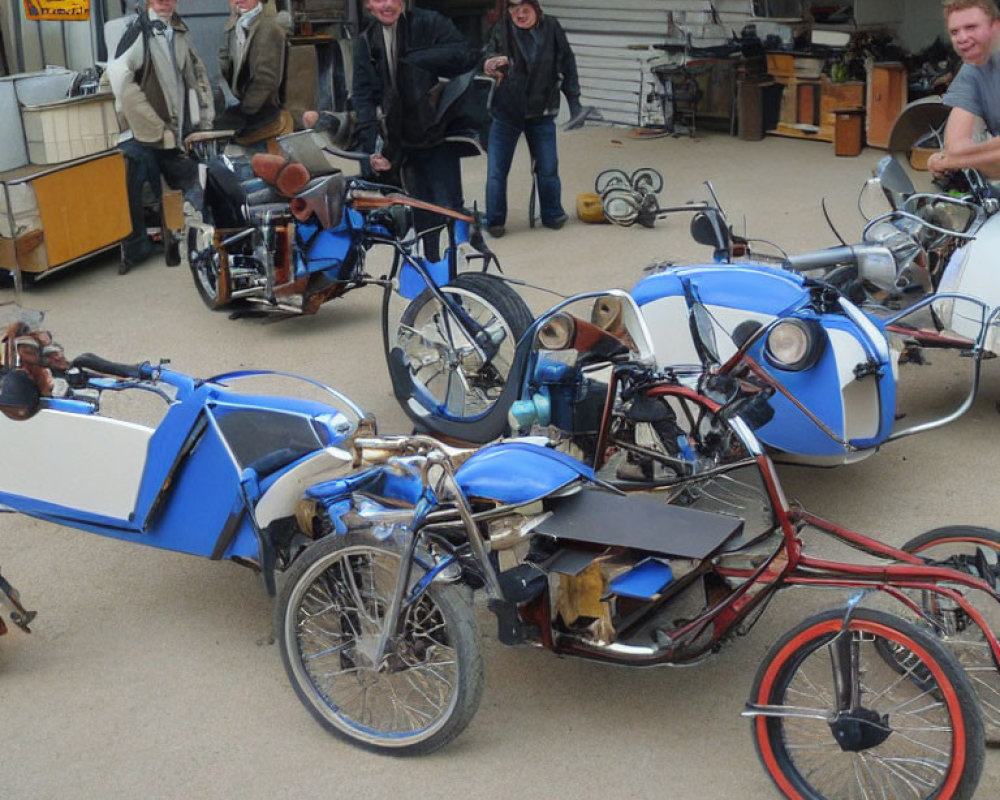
(252, 63)
(531, 59)
(162, 91)
(398, 61)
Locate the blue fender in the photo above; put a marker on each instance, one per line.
(518, 472)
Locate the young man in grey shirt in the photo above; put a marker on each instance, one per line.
(974, 94)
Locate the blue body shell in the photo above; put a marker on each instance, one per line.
(851, 387)
(197, 479)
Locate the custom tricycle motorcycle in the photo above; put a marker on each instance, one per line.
(375, 541)
(261, 250)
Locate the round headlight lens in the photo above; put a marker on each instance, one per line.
(557, 332)
(792, 344)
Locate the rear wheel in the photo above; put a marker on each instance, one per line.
(438, 376)
(329, 619)
(891, 737)
(975, 551)
(210, 270)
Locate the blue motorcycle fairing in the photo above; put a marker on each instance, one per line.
(819, 389)
(767, 291)
(325, 249)
(515, 472)
(752, 287)
(411, 283)
(377, 481)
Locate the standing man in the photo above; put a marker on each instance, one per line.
(162, 91)
(531, 59)
(252, 63)
(398, 61)
(974, 95)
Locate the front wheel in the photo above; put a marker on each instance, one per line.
(438, 375)
(916, 735)
(975, 551)
(329, 619)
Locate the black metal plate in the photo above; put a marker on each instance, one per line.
(640, 521)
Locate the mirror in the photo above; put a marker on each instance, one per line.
(708, 227)
(894, 181)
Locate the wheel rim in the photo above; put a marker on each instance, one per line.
(333, 624)
(924, 754)
(962, 636)
(208, 272)
(443, 362)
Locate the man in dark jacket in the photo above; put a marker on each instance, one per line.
(398, 61)
(531, 59)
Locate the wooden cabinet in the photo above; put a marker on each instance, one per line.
(810, 101)
(53, 216)
(886, 98)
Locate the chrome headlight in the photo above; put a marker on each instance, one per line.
(794, 344)
(557, 332)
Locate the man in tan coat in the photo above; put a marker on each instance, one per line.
(252, 63)
(162, 93)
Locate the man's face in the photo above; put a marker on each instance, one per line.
(523, 14)
(246, 5)
(163, 8)
(972, 34)
(385, 11)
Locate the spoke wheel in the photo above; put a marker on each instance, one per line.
(976, 551)
(911, 735)
(330, 617)
(210, 270)
(443, 371)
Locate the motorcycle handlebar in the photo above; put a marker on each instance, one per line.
(94, 363)
(818, 259)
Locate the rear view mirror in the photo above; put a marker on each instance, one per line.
(896, 184)
(708, 227)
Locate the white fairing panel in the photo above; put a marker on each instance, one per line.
(972, 271)
(667, 321)
(89, 463)
(280, 499)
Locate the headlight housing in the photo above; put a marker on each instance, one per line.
(794, 344)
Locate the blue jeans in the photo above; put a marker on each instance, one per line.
(541, 136)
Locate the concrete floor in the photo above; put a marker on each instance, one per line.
(154, 675)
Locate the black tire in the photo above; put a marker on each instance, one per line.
(976, 551)
(904, 739)
(210, 271)
(646, 179)
(328, 618)
(611, 178)
(437, 377)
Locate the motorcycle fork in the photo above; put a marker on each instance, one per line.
(400, 601)
(455, 312)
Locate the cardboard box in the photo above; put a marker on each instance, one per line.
(70, 128)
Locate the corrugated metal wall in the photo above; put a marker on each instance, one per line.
(614, 46)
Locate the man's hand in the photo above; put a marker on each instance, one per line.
(496, 67)
(938, 164)
(380, 163)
